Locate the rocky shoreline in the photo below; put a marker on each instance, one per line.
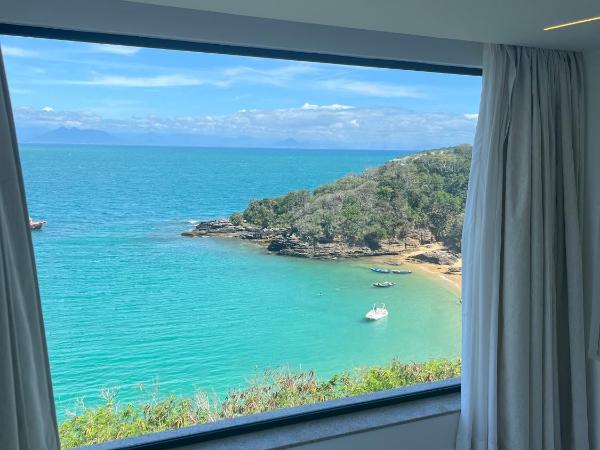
(284, 242)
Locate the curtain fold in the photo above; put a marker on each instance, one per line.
(523, 382)
(27, 416)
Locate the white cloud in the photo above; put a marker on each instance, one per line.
(290, 69)
(47, 117)
(48, 109)
(18, 52)
(314, 126)
(115, 49)
(307, 75)
(334, 107)
(278, 76)
(373, 89)
(157, 81)
(472, 116)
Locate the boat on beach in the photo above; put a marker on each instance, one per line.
(36, 224)
(402, 272)
(384, 284)
(377, 312)
(379, 270)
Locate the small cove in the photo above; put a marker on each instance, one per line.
(129, 303)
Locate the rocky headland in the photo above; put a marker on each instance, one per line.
(284, 242)
(411, 206)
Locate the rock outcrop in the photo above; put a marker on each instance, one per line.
(219, 226)
(282, 241)
(440, 257)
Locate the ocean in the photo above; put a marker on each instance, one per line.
(129, 305)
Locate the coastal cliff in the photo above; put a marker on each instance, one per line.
(285, 242)
(403, 205)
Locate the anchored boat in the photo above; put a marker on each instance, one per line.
(377, 312)
(378, 270)
(384, 284)
(402, 272)
(36, 224)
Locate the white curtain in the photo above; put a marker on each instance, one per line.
(27, 417)
(523, 382)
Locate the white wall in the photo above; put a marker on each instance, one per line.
(424, 424)
(433, 433)
(115, 16)
(591, 222)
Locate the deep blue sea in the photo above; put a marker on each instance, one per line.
(129, 304)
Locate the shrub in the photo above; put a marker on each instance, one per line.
(274, 389)
(237, 218)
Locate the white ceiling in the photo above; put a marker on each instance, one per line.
(518, 22)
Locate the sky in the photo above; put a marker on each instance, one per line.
(145, 95)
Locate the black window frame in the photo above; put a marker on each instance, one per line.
(259, 422)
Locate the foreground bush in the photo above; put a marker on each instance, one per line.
(275, 389)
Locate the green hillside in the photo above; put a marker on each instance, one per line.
(424, 191)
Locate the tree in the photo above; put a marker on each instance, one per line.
(237, 218)
(444, 211)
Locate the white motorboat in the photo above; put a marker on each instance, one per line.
(36, 224)
(377, 312)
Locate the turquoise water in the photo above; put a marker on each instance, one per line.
(128, 302)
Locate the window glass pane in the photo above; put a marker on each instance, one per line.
(321, 208)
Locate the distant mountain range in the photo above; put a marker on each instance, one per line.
(72, 135)
(64, 135)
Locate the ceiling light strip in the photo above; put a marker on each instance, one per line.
(575, 22)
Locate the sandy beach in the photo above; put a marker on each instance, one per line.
(406, 259)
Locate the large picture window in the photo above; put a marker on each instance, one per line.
(221, 235)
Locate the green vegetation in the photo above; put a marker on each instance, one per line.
(237, 218)
(273, 390)
(422, 191)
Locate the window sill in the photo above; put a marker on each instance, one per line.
(308, 423)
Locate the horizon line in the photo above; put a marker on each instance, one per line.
(231, 147)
